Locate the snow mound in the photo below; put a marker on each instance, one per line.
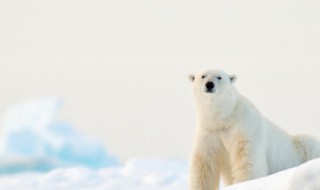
(33, 138)
(136, 174)
(307, 177)
(304, 177)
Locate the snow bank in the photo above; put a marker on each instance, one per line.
(304, 177)
(136, 174)
(33, 138)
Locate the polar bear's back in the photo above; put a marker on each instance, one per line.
(282, 151)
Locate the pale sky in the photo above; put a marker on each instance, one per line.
(121, 65)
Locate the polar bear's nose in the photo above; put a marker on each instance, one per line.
(209, 85)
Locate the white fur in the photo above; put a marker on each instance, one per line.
(235, 141)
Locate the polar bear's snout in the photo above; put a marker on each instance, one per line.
(209, 86)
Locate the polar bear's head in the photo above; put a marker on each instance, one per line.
(212, 83)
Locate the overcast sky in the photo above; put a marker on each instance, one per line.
(121, 65)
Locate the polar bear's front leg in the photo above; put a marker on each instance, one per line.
(205, 165)
(204, 173)
(247, 162)
(241, 164)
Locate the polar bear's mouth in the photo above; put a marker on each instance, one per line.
(209, 91)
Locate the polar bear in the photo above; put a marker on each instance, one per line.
(234, 140)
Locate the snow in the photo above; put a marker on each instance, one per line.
(147, 174)
(39, 151)
(136, 174)
(304, 177)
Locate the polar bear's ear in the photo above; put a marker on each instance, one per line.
(191, 77)
(233, 78)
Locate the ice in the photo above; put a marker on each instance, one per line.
(34, 138)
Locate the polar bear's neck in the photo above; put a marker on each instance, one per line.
(218, 113)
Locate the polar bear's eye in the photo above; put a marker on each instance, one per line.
(219, 78)
(203, 76)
